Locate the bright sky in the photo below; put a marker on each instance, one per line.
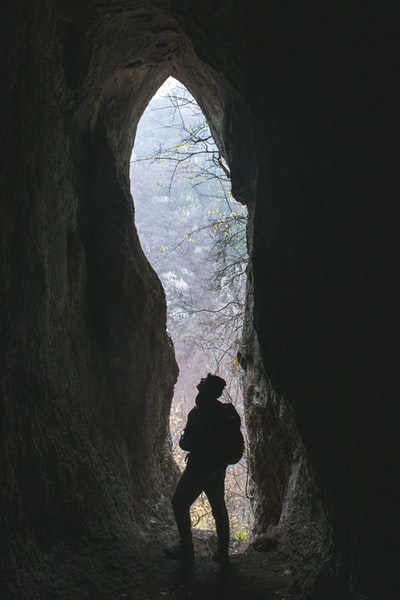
(166, 86)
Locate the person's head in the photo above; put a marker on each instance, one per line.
(211, 387)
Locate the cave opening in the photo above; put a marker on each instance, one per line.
(285, 500)
(281, 485)
(193, 233)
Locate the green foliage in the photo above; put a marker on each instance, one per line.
(240, 534)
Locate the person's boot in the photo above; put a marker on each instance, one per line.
(221, 557)
(181, 552)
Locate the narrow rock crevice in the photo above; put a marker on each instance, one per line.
(301, 104)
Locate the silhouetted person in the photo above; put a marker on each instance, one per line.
(204, 436)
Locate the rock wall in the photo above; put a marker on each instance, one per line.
(87, 367)
(324, 247)
(303, 104)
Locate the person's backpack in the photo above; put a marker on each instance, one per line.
(214, 433)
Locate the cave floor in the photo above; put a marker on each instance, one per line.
(252, 574)
(283, 567)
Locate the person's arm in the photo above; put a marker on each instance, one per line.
(187, 441)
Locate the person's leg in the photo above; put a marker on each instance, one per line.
(215, 491)
(188, 489)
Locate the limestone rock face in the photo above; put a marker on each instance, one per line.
(302, 104)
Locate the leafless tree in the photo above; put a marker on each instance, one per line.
(213, 312)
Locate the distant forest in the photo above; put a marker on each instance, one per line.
(194, 235)
(183, 209)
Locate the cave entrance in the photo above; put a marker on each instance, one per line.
(194, 235)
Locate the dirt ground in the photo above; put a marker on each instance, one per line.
(273, 573)
(284, 568)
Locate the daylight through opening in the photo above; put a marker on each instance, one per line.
(193, 233)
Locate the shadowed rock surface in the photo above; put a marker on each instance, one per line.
(303, 102)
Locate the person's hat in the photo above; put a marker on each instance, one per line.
(215, 383)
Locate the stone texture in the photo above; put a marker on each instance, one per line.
(303, 103)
